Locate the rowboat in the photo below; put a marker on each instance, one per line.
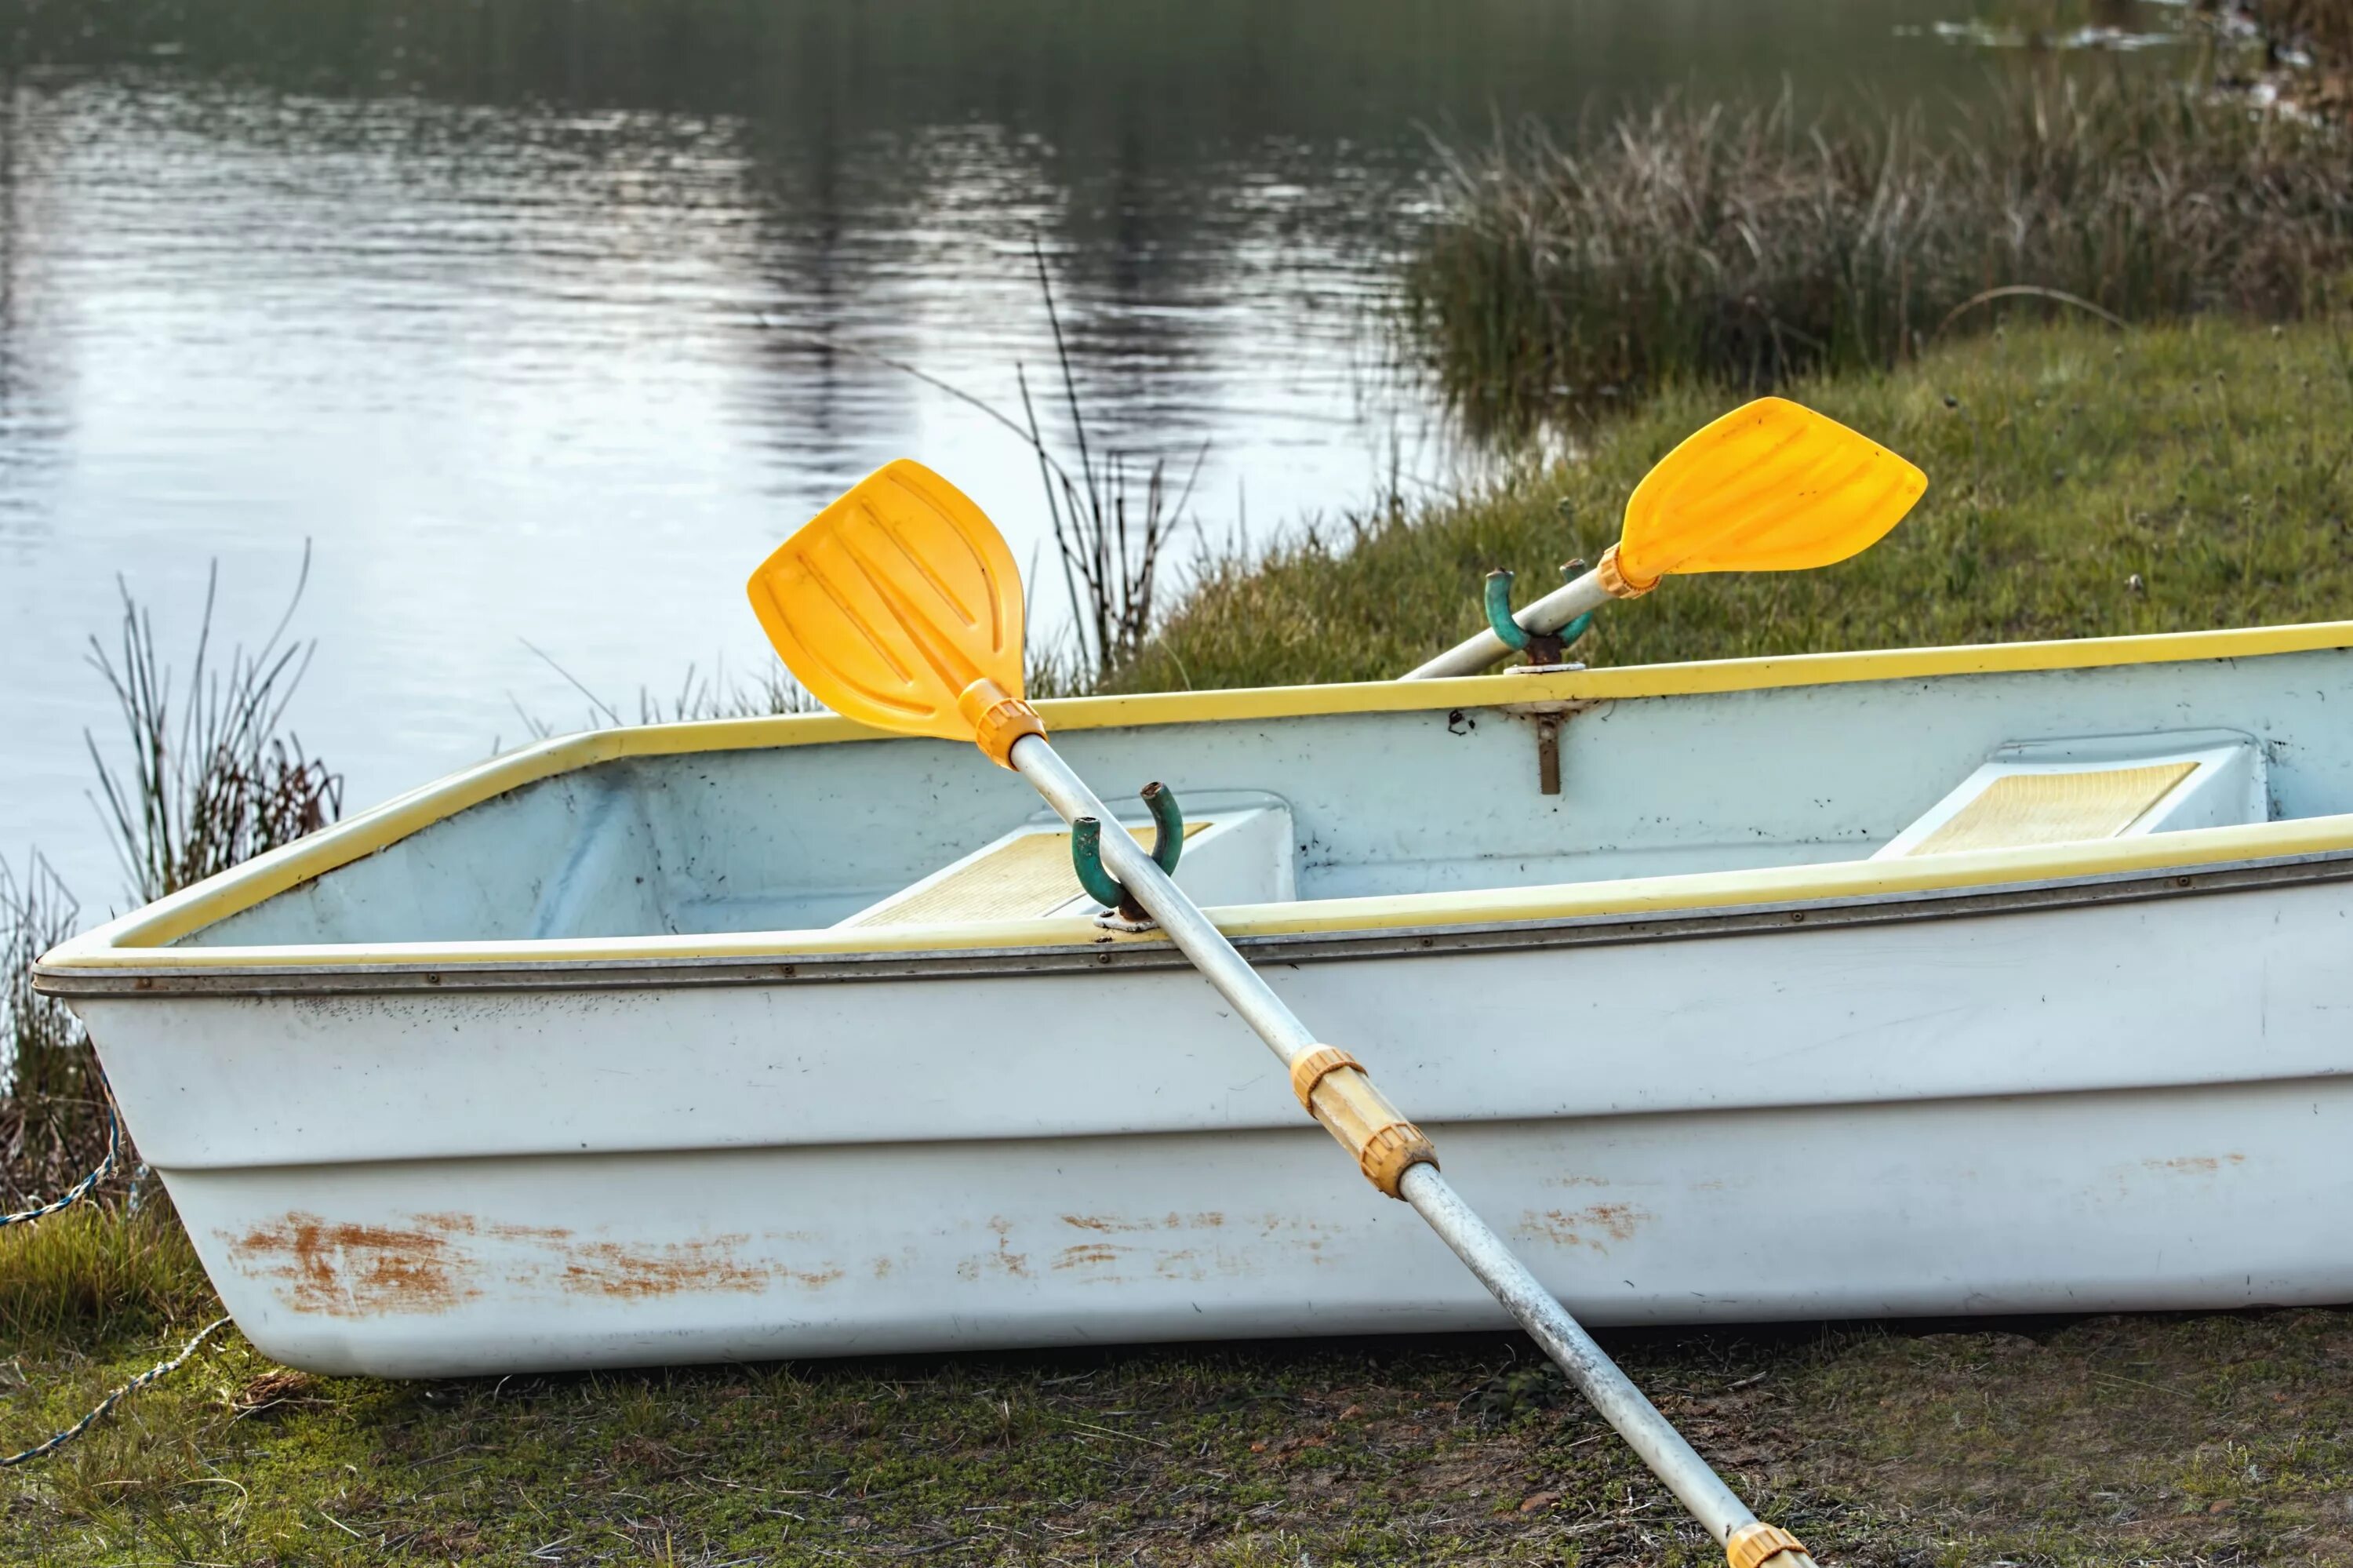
(1982, 979)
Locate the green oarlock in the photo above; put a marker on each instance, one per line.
(1507, 628)
(1167, 846)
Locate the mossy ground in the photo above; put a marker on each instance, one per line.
(2222, 1438)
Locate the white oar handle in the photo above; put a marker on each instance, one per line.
(1387, 1144)
(1548, 614)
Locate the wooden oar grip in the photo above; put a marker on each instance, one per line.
(1333, 1088)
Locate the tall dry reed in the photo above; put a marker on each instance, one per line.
(215, 776)
(53, 1118)
(1114, 514)
(1747, 245)
(2321, 28)
(1110, 537)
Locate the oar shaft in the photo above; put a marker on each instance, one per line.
(1550, 613)
(1178, 916)
(1611, 1391)
(1650, 1434)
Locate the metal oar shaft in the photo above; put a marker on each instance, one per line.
(1611, 1391)
(1550, 613)
(1178, 916)
(1650, 1434)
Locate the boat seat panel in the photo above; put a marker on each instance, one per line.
(1241, 854)
(2038, 793)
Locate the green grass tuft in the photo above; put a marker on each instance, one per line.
(95, 1273)
(2083, 483)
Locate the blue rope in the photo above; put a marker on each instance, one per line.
(81, 1189)
(160, 1370)
(72, 1195)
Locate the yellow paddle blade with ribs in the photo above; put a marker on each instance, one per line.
(899, 606)
(1770, 487)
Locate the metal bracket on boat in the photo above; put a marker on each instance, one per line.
(1546, 650)
(1549, 718)
(1086, 858)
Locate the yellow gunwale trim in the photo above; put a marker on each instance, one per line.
(138, 940)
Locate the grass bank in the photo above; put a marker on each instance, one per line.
(2183, 1439)
(2082, 482)
(1693, 241)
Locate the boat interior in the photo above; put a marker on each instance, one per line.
(1541, 784)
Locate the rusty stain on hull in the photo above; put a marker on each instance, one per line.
(609, 1269)
(346, 1270)
(1004, 1259)
(2196, 1164)
(1107, 1263)
(468, 1226)
(1114, 1224)
(1578, 1227)
(435, 1262)
(1101, 1262)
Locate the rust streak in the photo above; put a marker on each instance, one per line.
(1005, 1258)
(349, 1270)
(345, 1269)
(1111, 1224)
(1616, 1221)
(610, 1268)
(2196, 1164)
(1089, 1255)
(458, 1225)
(528, 1232)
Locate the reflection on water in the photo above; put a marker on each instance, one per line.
(472, 293)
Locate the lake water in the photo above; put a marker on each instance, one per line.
(543, 319)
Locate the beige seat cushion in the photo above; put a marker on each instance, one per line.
(2023, 809)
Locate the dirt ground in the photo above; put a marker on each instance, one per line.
(2214, 1439)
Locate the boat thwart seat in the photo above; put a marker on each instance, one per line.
(1238, 850)
(2106, 786)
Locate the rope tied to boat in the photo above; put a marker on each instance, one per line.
(81, 1189)
(160, 1371)
(66, 1200)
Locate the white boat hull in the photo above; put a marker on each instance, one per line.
(2131, 1098)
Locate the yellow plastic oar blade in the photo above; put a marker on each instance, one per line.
(893, 602)
(1770, 487)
